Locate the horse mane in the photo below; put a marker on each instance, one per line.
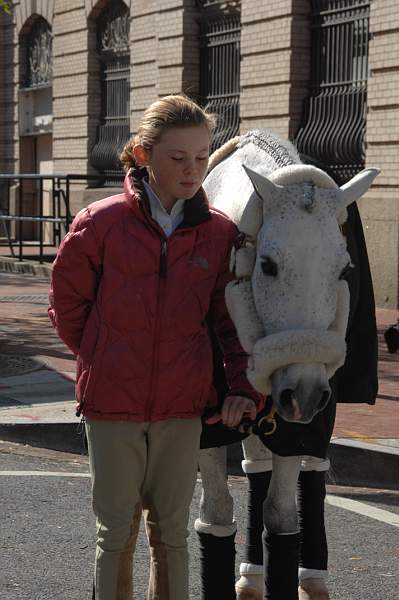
(281, 151)
(223, 152)
(290, 169)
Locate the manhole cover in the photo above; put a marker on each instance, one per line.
(14, 364)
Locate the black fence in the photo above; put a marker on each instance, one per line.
(35, 209)
(220, 75)
(334, 124)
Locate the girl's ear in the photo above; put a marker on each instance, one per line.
(141, 155)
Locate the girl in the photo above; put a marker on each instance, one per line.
(136, 283)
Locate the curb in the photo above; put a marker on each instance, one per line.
(363, 465)
(64, 437)
(353, 463)
(25, 267)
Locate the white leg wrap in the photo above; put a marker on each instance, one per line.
(250, 569)
(256, 466)
(257, 458)
(308, 573)
(216, 530)
(313, 463)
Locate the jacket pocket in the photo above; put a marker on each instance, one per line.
(88, 387)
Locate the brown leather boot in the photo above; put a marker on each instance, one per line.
(313, 588)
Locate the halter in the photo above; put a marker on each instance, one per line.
(267, 353)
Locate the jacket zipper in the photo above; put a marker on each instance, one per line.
(155, 348)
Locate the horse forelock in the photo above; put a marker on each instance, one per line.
(308, 177)
(298, 174)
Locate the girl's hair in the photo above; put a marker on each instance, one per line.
(171, 111)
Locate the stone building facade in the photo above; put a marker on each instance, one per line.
(56, 127)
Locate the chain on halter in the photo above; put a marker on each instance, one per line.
(266, 426)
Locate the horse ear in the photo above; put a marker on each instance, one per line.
(356, 187)
(263, 186)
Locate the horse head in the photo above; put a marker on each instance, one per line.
(290, 298)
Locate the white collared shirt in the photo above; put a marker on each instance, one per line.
(168, 221)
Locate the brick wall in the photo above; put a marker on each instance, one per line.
(143, 53)
(164, 41)
(380, 207)
(76, 102)
(275, 64)
(164, 51)
(8, 95)
(4, 136)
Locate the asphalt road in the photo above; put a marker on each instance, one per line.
(47, 533)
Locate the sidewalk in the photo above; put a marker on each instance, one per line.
(37, 392)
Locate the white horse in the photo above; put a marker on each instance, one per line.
(290, 304)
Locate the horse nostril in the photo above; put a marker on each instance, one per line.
(286, 398)
(325, 397)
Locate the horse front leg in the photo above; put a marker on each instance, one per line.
(257, 466)
(281, 537)
(314, 549)
(216, 527)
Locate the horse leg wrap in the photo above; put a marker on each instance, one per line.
(281, 556)
(257, 492)
(250, 584)
(312, 493)
(217, 566)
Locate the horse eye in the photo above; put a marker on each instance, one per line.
(346, 271)
(269, 267)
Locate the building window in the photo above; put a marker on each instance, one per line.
(220, 66)
(114, 128)
(38, 70)
(35, 98)
(334, 125)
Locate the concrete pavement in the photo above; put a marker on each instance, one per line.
(37, 389)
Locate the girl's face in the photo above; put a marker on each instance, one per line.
(177, 164)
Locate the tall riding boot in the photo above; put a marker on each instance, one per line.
(217, 556)
(250, 584)
(281, 555)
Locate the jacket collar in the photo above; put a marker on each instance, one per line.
(196, 209)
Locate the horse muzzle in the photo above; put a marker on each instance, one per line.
(300, 391)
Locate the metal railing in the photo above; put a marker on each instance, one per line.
(334, 123)
(220, 75)
(47, 199)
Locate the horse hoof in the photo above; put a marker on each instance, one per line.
(313, 588)
(245, 591)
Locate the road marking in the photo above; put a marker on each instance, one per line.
(346, 503)
(42, 474)
(47, 474)
(364, 509)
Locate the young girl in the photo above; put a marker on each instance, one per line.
(136, 283)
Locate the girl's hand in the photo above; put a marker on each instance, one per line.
(233, 410)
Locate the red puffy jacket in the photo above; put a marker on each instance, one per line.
(134, 306)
